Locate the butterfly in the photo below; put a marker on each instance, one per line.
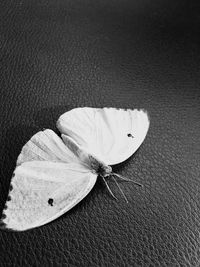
(54, 174)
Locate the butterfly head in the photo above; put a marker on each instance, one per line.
(104, 170)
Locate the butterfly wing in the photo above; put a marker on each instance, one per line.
(110, 134)
(43, 191)
(46, 146)
(47, 182)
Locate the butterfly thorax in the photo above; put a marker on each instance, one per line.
(86, 158)
(99, 167)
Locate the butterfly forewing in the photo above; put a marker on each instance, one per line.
(110, 134)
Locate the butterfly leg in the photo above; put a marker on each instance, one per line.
(108, 187)
(119, 188)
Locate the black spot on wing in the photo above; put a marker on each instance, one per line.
(130, 135)
(50, 201)
(3, 216)
(10, 187)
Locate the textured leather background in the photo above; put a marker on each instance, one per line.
(59, 54)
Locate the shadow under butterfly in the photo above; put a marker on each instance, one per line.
(53, 174)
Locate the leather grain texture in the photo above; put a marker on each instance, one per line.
(59, 54)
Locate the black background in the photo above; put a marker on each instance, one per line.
(58, 54)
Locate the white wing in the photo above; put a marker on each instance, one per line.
(46, 146)
(110, 134)
(43, 191)
(46, 170)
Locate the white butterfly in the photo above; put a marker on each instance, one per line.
(53, 174)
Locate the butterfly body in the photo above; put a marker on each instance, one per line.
(99, 167)
(54, 174)
(90, 161)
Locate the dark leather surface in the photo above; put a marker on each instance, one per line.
(58, 54)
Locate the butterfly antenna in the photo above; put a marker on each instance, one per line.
(108, 188)
(126, 179)
(120, 188)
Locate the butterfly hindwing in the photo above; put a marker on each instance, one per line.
(43, 191)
